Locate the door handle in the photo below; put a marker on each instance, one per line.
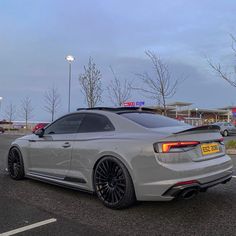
(66, 145)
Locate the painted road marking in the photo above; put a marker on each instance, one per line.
(28, 227)
(234, 176)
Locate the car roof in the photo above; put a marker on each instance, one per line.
(118, 110)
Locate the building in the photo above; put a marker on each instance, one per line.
(197, 116)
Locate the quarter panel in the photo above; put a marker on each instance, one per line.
(135, 153)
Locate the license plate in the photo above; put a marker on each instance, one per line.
(210, 148)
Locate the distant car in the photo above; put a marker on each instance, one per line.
(2, 130)
(226, 128)
(39, 126)
(123, 155)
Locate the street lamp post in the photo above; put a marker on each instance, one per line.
(196, 109)
(70, 59)
(0, 103)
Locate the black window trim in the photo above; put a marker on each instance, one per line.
(77, 131)
(60, 118)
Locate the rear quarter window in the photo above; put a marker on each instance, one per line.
(95, 123)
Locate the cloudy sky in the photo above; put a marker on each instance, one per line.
(35, 37)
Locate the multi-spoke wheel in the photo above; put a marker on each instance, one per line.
(113, 183)
(15, 164)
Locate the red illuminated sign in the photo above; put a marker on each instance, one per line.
(133, 104)
(129, 104)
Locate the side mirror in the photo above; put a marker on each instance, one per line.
(39, 132)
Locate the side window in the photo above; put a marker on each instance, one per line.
(65, 125)
(95, 123)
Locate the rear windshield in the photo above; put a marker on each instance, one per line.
(150, 120)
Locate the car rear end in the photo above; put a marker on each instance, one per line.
(187, 160)
(194, 160)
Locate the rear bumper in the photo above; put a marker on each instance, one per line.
(161, 179)
(176, 190)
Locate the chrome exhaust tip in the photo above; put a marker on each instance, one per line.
(189, 193)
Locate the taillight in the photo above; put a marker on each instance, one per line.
(221, 141)
(169, 146)
(189, 182)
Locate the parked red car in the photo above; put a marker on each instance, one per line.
(39, 126)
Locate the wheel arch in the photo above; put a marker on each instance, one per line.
(17, 147)
(227, 131)
(118, 157)
(7, 155)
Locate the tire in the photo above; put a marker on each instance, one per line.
(225, 133)
(113, 184)
(15, 164)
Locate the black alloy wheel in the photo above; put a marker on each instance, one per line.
(113, 183)
(15, 164)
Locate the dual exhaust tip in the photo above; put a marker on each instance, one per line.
(188, 193)
(191, 192)
(189, 189)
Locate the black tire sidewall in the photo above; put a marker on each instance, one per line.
(21, 173)
(129, 196)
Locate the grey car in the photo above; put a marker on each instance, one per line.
(226, 128)
(123, 155)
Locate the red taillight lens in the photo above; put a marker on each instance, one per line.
(221, 141)
(166, 147)
(187, 182)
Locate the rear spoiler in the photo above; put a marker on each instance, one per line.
(214, 128)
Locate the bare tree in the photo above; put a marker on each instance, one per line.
(119, 92)
(52, 101)
(91, 84)
(227, 76)
(26, 110)
(10, 112)
(160, 86)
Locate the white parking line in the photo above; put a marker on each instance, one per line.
(233, 176)
(28, 227)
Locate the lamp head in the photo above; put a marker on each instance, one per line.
(70, 58)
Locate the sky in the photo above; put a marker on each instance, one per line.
(36, 36)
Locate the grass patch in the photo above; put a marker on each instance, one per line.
(231, 144)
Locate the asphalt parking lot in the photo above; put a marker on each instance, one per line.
(58, 211)
(228, 138)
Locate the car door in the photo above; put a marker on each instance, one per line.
(50, 155)
(94, 130)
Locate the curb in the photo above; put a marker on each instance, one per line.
(231, 151)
